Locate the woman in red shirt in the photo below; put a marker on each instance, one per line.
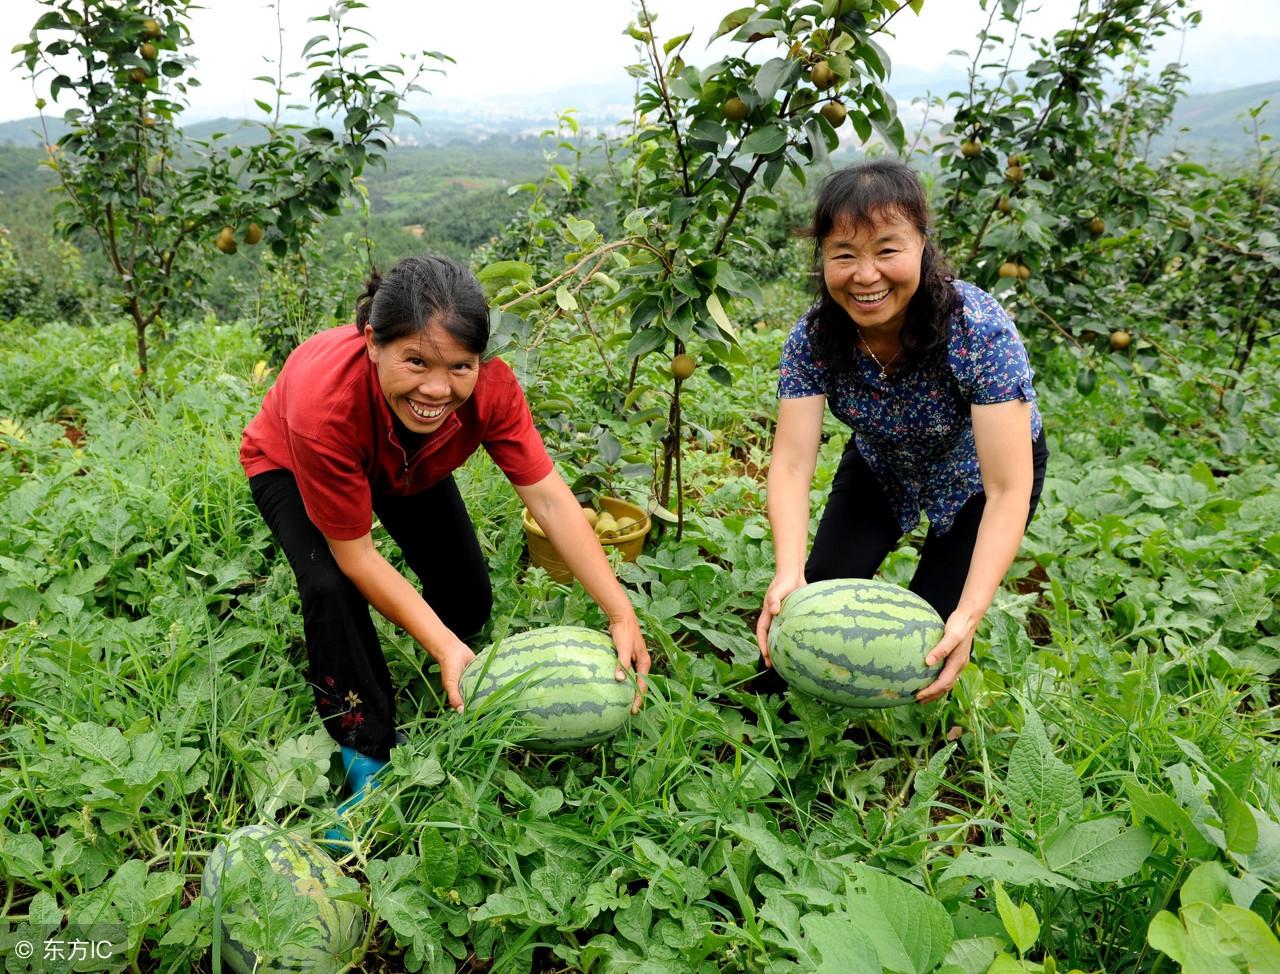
(373, 420)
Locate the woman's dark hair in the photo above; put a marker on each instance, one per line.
(858, 196)
(419, 292)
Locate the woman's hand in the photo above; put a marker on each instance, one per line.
(779, 589)
(632, 653)
(956, 646)
(453, 658)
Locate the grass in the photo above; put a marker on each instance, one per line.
(153, 699)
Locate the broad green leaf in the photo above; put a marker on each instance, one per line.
(1100, 851)
(646, 340)
(973, 955)
(103, 744)
(1006, 964)
(911, 931)
(43, 910)
(717, 312)
(22, 854)
(674, 42)
(1264, 861)
(1237, 820)
(764, 141)
(1193, 794)
(437, 860)
(1169, 815)
(1207, 885)
(505, 270)
(1007, 863)
(733, 20)
(1020, 920)
(841, 943)
(1167, 935)
(1042, 790)
(773, 852)
(770, 77)
(565, 298)
(1255, 942)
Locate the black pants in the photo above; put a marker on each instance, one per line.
(858, 529)
(348, 672)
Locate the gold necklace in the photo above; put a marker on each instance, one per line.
(883, 366)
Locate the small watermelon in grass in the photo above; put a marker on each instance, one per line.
(560, 680)
(857, 642)
(325, 942)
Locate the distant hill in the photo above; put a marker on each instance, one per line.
(1217, 124)
(1205, 126)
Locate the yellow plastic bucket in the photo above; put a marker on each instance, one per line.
(543, 553)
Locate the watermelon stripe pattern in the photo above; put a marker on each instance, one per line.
(560, 681)
(856, 642)
(311, 871)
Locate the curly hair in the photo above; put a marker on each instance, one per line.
(859, 196)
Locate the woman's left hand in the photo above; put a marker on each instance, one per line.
(632, 653)
(955, 647)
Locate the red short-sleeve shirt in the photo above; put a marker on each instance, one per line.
(326, 421)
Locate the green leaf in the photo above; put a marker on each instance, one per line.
(1264, 861)
(1041, 789)
(646, 340)
(1007, 863)
(1207, 885)
(105, 745)
(911, 931)
(733, 20)
(841, 943)
(765, 141)
(565, 298)
(772, 76)
(1237, 821)
(717, 312)
(773, 852)
(861, 124)
(674, 42)
(1020, 921)
(1169, 815)
(1166, 934)
(1100, 851)
(1255, 944)
(973, 955)
(505, 270)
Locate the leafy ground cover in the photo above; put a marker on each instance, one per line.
(1100, 792)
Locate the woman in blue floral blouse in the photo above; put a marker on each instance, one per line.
(930, 375)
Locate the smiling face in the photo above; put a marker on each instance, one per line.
(873, 271)
(425, 376)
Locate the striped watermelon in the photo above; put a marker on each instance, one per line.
(338, 925)
(857, 642)
(561, 682)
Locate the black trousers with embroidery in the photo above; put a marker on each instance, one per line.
(347, 670)
(858, 530)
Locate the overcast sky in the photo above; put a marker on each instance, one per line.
(508, 49)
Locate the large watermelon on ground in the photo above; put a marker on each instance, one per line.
(311, 872)
(857, 642)
(560, 679)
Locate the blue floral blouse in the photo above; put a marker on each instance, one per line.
(914, 428)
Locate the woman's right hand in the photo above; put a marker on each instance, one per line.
(779, 589)
(453, 659)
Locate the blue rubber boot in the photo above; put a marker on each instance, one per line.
(359, 772)
(360, 779)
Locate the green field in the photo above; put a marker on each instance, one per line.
(1100, 793)
(1117, 733)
